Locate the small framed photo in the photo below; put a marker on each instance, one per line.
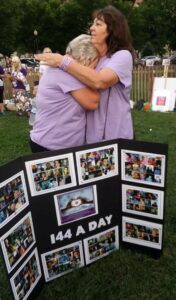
(26, 278)
(51, 174)
(161, 100)
(101, 244)
(62, 261)
(76, 205)
(13, 197)
(142, 233)
(141, 167)
(18, 241)
(142, 201)
(97, 164)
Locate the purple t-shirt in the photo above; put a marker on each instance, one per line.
(114, 109)
(1, 80)
(60, 120)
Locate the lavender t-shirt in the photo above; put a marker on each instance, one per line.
(60, 120)
(113, 116)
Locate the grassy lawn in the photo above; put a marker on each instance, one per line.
(125, 274)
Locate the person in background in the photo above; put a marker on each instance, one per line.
(34, 108)
(44, 67)
(113, 75)
(20, 87)
(62, 101)
(2, 75)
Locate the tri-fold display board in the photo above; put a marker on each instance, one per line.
(62, 210)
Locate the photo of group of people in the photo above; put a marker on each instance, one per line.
(143, 167)
(142, 232)
(101, 244)
(50, 174)
(13, 197)
(142, 201)
(26, 278)
(18, 241)
(96, 164)
(77, 204)
(61, 261)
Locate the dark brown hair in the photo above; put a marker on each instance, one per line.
(119, 37)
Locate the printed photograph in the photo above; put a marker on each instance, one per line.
(75, 205)
(18, 241)
(142, 201)
(143, 233)
(62, 261)
(13, 197)
(51, 174)
(98, 163)
(160, 100)
(26, 278)
(101, 244)
(141, 167)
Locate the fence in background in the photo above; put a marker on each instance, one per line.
(141, 87)
(143, 78)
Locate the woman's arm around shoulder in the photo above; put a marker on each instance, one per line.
(88, 98)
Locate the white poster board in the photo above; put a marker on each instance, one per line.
(163, 94)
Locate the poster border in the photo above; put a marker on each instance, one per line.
(86, 250)
(141, 242)
(35, 252)
(18, 211)
(115, 173)
(11, 230)
(59, 218)
(149, 154)
(140, 213)
(28, 164)
(43, 256)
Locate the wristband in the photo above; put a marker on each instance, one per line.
(65, 62)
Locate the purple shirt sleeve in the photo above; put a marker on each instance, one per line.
(121, 63)
(68, 83)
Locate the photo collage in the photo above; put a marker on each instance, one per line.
(96, 164)
(46, 175)
(143, 169)
(13, 197)
(72, 184)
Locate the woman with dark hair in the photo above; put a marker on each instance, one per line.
(113, 75)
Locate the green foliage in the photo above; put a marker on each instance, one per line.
(10, 16)
(58, 21)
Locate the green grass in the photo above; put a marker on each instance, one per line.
(126, 274)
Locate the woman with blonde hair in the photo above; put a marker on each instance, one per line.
(20, 87)
(62, 101)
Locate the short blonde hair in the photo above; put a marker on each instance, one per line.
(82, 50)
(17, 60)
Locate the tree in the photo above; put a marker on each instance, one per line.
(10, 25)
